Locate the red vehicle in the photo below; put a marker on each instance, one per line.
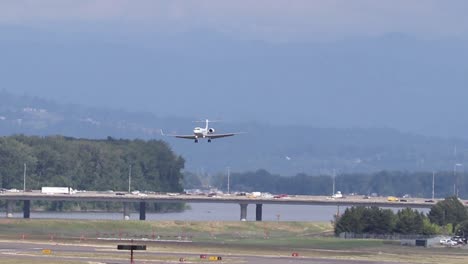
(280, 196)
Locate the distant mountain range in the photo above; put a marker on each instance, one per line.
(394, 80)
(287, 150)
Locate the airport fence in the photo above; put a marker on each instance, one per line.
(350, 235)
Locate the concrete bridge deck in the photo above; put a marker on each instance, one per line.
(243, 201)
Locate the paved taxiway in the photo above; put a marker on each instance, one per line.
(68, 253)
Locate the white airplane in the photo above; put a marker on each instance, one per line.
(200, 132)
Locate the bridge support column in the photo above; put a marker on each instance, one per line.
(9, 208)
(243, 213)
(258, 212)
(126, 211)
(26, 208)
(142, 210)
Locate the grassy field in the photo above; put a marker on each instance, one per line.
(245, 233)
(264, 238)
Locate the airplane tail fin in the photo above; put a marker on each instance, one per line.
(206, 121)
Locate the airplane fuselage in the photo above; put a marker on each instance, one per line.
(200, 132)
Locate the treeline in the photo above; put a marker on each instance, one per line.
(82, 164)
(447, 216)
(397, 183)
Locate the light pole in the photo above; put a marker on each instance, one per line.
(333, 176)
(455, 185)
(24, 178)
(228, 180)
(129, 177)
(433, 180)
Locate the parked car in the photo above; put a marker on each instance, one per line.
(460, 240)
(451, 243)
(448, 242)
(442, 241)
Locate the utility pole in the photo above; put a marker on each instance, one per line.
(433, 180)
(454, 176)
(228, 180)
(334, 175)
(24, 178)
(455, 185)
(129, 177)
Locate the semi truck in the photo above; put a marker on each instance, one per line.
(57, 190)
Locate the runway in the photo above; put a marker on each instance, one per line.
(23, 252)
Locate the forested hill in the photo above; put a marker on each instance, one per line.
(282, 149)
(384, 183)
(89, 164)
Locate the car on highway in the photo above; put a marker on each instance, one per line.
(337, 195)
(283, 195)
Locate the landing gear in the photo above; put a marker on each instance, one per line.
(196, 140)
(209, 140)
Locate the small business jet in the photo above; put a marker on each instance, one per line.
(200, 132)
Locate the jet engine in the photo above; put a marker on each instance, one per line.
(211, 130)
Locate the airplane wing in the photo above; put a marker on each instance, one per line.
(178, 136)
(183, 136)
(212, 136)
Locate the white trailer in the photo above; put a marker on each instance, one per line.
(57, 190)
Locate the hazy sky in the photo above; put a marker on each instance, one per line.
(400, 64)
(270, 20)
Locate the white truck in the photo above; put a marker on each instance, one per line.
(57, 190)
(337, 195)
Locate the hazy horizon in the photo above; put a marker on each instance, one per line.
(315, 63)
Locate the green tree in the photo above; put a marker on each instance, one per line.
(430, 228)
(378, 220)
(409, 221)
(351, 221)
(13, 156)
(192, 181)
(448, 211)
(89, 164)
(462, 229)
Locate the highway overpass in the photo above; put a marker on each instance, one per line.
(243, 201)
